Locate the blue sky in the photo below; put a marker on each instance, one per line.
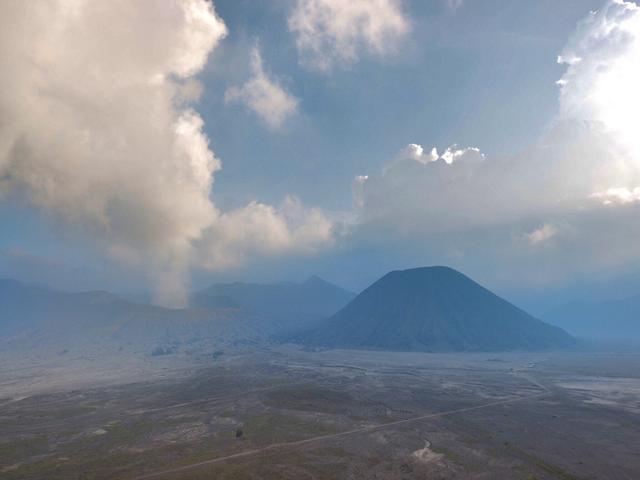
(483, 74)
(309, 167)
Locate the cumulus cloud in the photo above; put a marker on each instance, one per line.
(329, 32)
(468, 154)
(264, 95)
(582, 174)
(542, 235)
(613, 196)
(481, 208)
(601, 86)
(603, 71)
(98, 127)
(263, 229)
(451, 154)
(415, 152)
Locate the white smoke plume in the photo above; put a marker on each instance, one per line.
(97, 128)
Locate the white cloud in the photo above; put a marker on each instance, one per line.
(97, 129)
(263, 229)
(619, 196)
(542, 235)
(264, 95)
(603, 72)
(583, 174)
(480, 206)
(330, 32)
(452, 154)
(415, 152)
(468, 154)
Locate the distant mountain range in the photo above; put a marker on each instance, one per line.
(281, 305)
(615, 319)
(423, 309)
(240, 313)
(38, 317)
(433, 309)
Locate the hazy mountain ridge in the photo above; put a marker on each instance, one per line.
(613, 319)
(221, 314)
(284, 305)
(422, 309)
(433, 309)
(32, 314)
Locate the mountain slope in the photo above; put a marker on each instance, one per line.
(32, 315)
(433, 309)
(616, 319)
(287, 304)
